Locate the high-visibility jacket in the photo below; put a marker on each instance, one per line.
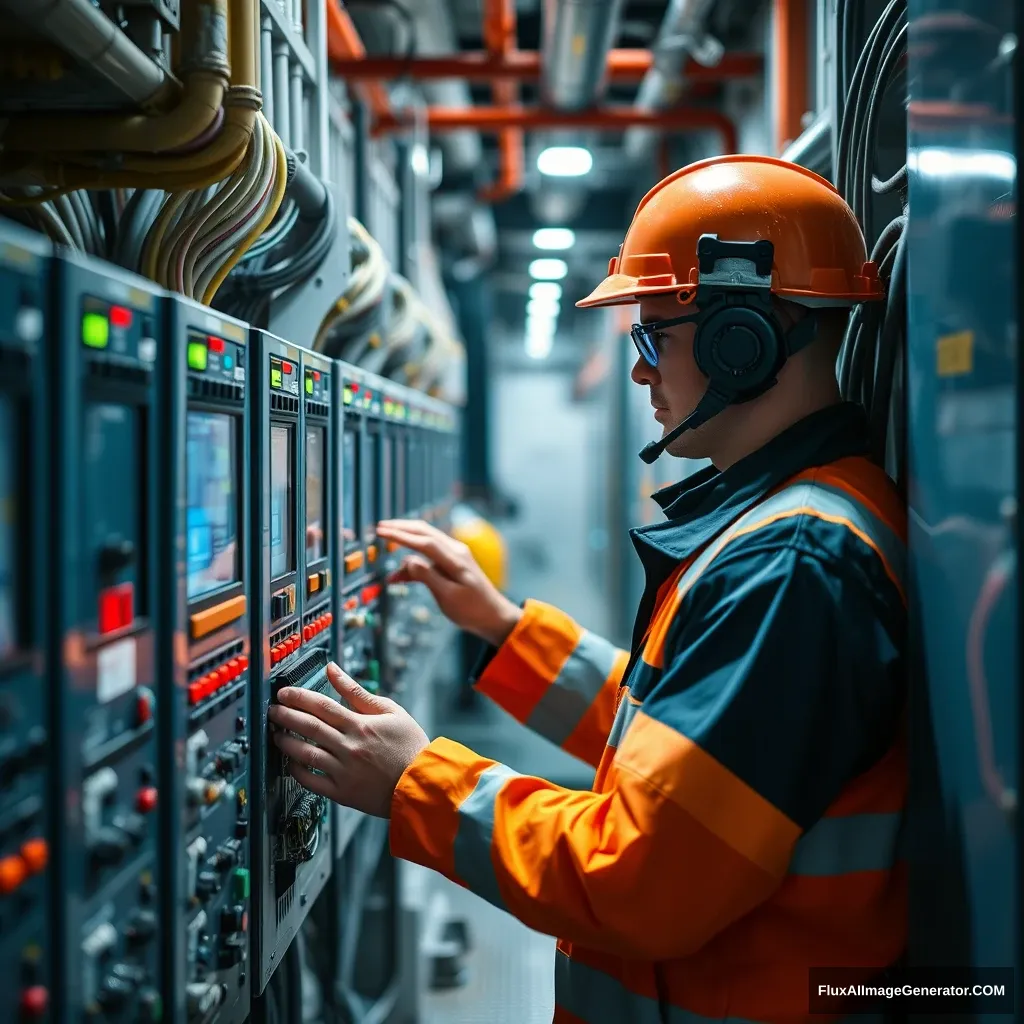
(746, 814)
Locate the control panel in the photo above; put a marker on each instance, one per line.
(25, 798)
(292, 854)
(107, 490)
(205, 665)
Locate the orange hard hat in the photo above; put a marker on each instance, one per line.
(820, 258)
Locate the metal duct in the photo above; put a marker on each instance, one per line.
(813, 148)
(574, 54)
(435, 37)
(681, 36)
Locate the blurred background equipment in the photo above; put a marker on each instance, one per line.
(272, 270)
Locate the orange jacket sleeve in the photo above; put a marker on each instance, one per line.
(559, 679)
(778, 690)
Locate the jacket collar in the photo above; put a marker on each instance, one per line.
(701, 506)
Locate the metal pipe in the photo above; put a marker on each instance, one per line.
(790, 69)
(680, 36)
(345, 44)
(267, 68)
(282, 125)
(499, 31)
(812, 148)
(298, 112)
(577, 37)
(492, 119)
(624, 66)
(85, 32)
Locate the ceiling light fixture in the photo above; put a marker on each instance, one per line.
(548, 269)
(554, 238)
(565, 161)
(542, 308)
(548, 290)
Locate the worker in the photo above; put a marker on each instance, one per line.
(745, 819)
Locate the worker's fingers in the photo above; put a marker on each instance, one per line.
(308, 780)
(309, 726)
(418, 570)
(305, 753)
(359, 700)
(416, 526)
(444, 552)
(319, 705)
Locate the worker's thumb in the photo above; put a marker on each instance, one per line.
(359, 700)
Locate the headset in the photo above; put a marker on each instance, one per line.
(739, 343)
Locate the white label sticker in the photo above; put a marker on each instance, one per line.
(239, 373)
(115, 670)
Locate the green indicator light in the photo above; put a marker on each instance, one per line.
(347, 396)
(275, 378)
(241, 883)
(309, 385)
(95, 330)
(196, 355)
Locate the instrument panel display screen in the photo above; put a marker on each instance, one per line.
(316, 546)
(212, 502)
(282, 500)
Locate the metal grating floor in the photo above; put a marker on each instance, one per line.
(510, 969)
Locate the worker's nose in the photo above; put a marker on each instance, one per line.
(644, 373)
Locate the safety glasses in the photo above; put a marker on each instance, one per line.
(645, 336)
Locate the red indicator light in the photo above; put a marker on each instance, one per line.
(369, 394)
(215, 344)
(120, 317)
(109, 611)
(316, 375)
(286, 367)
(146, 800)
(143, 708)
(353, 387)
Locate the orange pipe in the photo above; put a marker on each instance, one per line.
(345, 41)
(499, 33)
(791, 70)
(494, 119)
(624, 66)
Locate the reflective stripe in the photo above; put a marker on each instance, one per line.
(623, 716)
(841, 846)
(829, 502)
(566, 700)
(472, 848)
(598, 998)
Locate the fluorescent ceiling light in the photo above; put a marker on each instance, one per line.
(539, 346)
(540, 327)
(565, 161)
(548, 269)
(547, 290)
(554, 238)
(542, 308)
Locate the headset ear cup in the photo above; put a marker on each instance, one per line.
(740, 349)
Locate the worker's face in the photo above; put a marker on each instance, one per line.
(676, 384)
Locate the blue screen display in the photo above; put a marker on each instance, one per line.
(212, 515)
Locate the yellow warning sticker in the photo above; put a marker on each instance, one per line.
(954, 354)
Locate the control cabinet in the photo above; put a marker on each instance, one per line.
(359, 457)
(292, 847)
(205, 665)
(107, 489)
(25, 799)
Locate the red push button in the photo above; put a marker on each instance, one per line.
(109, 611)
(329, 617)
(275, 655)
(221, 676)
(35, 1002)
(195, 692)
(146, 800)
(13, 871)
(243, 664)
(126, 597)
(209, 684)
(143, 707)
(307, 632)
(36, 855)
(215, 344)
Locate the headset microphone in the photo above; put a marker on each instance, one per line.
(710, 405)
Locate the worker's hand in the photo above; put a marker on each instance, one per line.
(361, 752)
(450, 572)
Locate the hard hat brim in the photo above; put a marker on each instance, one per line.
(623, 290)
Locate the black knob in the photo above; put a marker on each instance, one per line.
(207, 884)
(109, 845)
(242, 828)
(141, 926)
(115, 555)
(231, 920)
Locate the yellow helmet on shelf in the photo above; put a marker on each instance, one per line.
(484, 541)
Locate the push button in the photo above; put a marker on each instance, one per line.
(13, 871)
(34, 1002)
(146, 799)
(36, 854)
